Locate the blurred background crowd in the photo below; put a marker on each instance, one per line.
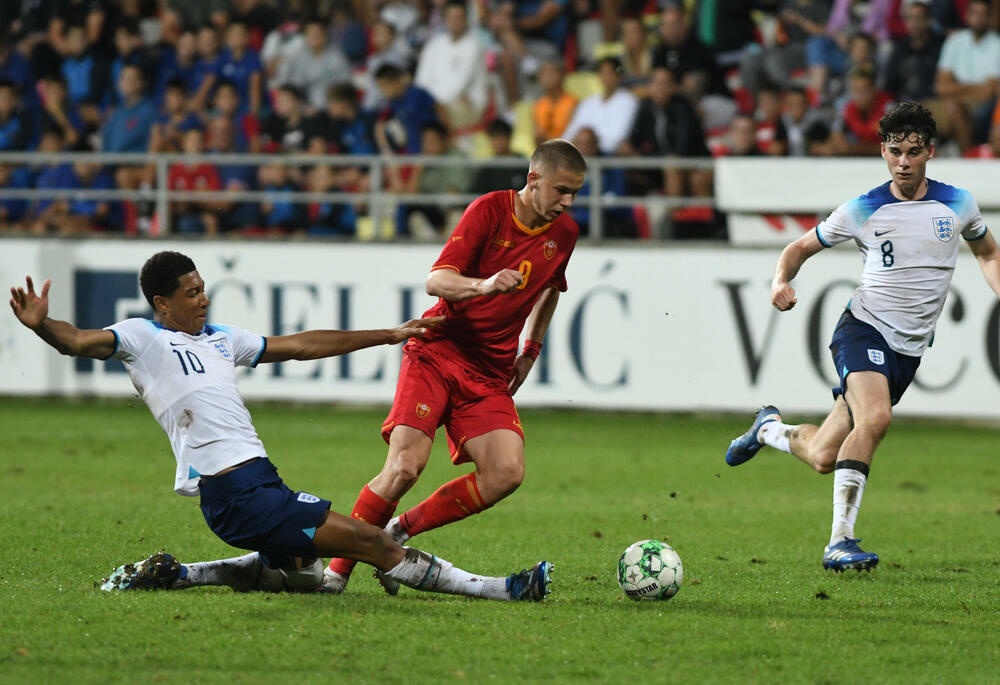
(477, 79)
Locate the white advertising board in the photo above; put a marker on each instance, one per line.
(656, 329)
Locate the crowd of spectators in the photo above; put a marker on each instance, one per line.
(652, 78)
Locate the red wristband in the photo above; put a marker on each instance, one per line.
(531, 349)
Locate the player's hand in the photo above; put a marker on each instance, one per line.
(522, 366)
(782, 296)
(29, 307)
(505, 281)
(418, 328)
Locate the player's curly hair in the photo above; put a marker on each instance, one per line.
(908, 119)
(161, 274)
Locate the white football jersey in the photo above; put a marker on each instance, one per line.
(189, 384)
(910, 249)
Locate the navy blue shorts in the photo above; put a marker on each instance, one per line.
(858, 346)
(251, 508)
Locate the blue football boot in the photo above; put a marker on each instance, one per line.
(531, 585)
(846, 554)
(746, 446)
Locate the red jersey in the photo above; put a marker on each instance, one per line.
(198, 177)
(488, 239)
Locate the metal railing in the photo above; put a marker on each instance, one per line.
(379, 200)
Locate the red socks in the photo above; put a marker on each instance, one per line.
(369, 508)
(451, 502)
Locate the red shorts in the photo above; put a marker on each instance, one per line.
(436, 387)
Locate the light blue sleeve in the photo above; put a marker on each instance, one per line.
(132, 338)
(841, 225)
(973, 226)
(247, 346)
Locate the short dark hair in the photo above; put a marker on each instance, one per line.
(556, 154)
(343, 92)
(436, 126)
(499, 127)
(161, 274)
(177, 83)
(613, 61)
(292, 90)
(7, 83)
(388, 71)
(907, 119)
(457, 3)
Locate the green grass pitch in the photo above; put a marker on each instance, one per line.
(85, 486)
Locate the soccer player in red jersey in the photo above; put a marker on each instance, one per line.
(500, 274)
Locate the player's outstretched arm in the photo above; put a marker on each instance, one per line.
(32, 309)
(988, 255)
(450, 285)
(321, 344)
(791, 260)
(535, 328)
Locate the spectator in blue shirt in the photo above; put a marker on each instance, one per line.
(56, 111)
(342, 128)
(13, 66)
(15, 130)
(129, 126)
(206, 69)
(234, 215)
(617, 220)
(86, 74)
(241, 65)
(409, 109)
(173, 120)
(69, 214)
(179, 61)
(328, 218)
(278, 213)
(130, 50)
(245, 125)
(12, 211)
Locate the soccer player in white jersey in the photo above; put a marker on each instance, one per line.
(907, 231)
(185, 371)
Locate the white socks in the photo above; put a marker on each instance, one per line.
(423, 571)
(849, 478)
(242, 574)
(775, 434)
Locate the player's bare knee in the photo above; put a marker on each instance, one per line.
(404, 469)
(824, 460)
(503, 478)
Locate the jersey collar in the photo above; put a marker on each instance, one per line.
(520, 226)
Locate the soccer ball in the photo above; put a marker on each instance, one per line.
(650, 569)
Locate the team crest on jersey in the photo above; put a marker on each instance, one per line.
(549, 248)
(422, 410)
(307, 498)
(877, 356)
(223, 347)
(944, 227)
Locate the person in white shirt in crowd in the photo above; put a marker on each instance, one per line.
(452, 68)
(315, 65)
(610, 113)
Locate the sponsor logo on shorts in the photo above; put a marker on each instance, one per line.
(517, 422)
(877, 356)
(549, 247)
(944, 227)
(422, 410)
(307, 498)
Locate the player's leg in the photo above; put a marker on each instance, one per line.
(499, 459)
(348, 537)
(869, 399)
(420, 401)
(409, 450)
(814, 445)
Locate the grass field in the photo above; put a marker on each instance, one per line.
(86, 486)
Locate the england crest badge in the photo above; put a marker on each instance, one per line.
(944, 227)
(223, 347)
(877, 356)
